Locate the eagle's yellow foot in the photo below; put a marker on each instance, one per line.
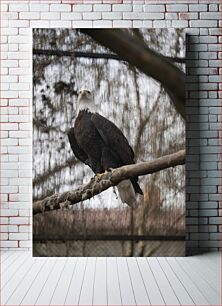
(98, 176)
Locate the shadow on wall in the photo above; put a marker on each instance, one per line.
(193, 171)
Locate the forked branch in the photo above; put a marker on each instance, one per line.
(153, 64)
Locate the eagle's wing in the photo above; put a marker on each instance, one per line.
(78, 152)
(113, 138)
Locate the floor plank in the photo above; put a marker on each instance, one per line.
(113, 285)
(181, 293)
(18, 294)
(13, 270)
(139, 288)
(152, 286)
(110, 281)
(86, 294)
(165, 287)
(62, 288)
(47, 292)
(211, 260)
(75, 286)
(11, 261)
(208, 292)
(190, 286)
(126, 289)
(39, 282)
(17, 278)
(213, 279)
(100, 283)
(5, 255)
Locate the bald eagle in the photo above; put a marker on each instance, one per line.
(100, 144)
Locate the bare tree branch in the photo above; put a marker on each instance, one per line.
(76, 54)
(112, 56)
(43, 177)
(107, 180)
(153, 64)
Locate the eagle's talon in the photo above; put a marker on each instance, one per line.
(98, 176)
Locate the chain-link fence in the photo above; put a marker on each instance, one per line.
(113, 232)
(110, 232)
(111, 246)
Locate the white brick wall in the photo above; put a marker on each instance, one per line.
(200, 17)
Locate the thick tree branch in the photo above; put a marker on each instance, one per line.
(153, 64)
(111, 178)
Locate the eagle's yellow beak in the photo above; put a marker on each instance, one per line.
(82, 93)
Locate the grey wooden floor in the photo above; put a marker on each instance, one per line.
(110, 281)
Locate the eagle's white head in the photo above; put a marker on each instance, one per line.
(86, 101)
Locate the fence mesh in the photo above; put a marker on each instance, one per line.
(106, 248)
(113, 232)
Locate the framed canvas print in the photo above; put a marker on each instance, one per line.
(108, 142)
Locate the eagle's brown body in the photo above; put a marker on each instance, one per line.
(101, 145)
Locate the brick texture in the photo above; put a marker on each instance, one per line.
(202, 21)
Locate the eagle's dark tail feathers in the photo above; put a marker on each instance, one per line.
(136, 186)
